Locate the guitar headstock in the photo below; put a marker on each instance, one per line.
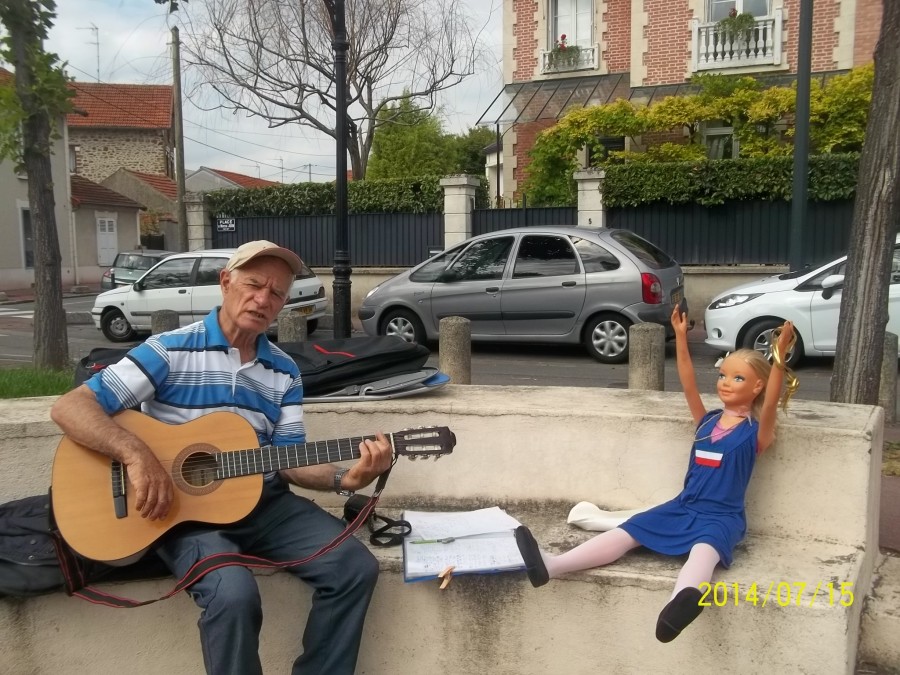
(424, 442)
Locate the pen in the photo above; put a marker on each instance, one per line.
(445, 540)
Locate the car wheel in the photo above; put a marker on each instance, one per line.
(606, 338)
(404, 324)
(311, 326)
(759, 337)
(115, 327)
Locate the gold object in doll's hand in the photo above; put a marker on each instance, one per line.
(792, 383)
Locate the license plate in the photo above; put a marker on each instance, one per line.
(303, 311)
(677, 296)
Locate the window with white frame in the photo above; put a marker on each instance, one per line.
(719, 140)
(27, 238)
(716, 10)
(571, 18)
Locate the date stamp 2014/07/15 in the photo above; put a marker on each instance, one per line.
(782, 593)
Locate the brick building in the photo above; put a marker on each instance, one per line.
(121, 126)
(644, 49)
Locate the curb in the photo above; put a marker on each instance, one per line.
(79, 318)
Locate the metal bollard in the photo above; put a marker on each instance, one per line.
(455, 345)
(887, 387)
(291, 327)
(163, 320)
(647, 357)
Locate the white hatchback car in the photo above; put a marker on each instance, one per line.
(188, 283)
(745, 316)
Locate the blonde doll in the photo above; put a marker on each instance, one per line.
(707, 520)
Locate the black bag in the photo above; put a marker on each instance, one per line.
(97, 360)
(329, 365)
(30, 553)
(325, 365)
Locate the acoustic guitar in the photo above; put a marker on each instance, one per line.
(216, 466)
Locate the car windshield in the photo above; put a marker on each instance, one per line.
(643, 250)
(431, 270)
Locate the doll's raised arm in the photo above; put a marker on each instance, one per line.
(685, 366)
(766, 434)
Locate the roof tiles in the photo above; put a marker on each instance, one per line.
(85, 191)
(126, 106)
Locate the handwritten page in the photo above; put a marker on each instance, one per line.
(437, 525)
(482, 542)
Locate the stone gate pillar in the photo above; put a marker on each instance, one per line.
(591, 211)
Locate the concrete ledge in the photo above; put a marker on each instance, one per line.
(481, 624)
(812, 509)
(879, 646)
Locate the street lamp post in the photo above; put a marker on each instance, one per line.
(800, 198)
(341, 269)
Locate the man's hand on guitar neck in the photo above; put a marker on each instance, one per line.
(375, 459)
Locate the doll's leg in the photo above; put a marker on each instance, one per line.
(684, 605)
(601, 550)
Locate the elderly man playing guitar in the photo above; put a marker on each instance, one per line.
(226, 363)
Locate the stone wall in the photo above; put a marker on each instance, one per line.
(102, 152)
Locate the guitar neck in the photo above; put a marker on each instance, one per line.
(236, 463)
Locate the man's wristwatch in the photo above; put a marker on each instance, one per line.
(338, 475)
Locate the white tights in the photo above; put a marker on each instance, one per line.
(612, 545)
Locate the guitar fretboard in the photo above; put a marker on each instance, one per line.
(264, 460)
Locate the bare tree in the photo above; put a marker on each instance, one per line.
(274, 59)
(864, 305)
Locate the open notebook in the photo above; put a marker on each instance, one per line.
(472, 542)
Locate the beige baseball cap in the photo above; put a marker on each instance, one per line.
(257, 249)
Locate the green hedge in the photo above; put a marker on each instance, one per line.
(831, 177)
(398, 195)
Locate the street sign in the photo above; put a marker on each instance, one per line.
(225, 224)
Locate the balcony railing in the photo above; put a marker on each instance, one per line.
(714, 49)
(582, 58)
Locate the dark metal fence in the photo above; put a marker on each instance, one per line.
(491, 220)
(738, 232)
(376, 239)
(731, 234)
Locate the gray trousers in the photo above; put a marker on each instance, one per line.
(282, 527)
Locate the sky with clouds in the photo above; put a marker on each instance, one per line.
(134, 37)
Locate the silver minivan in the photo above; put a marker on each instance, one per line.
(562, 285)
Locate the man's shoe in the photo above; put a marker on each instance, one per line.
(531, 554)
(678, 614)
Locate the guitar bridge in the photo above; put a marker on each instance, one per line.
(120, 503)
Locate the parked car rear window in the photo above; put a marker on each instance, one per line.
(135, 261)
(643, 250)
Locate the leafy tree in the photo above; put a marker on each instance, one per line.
(274, 59)
(470, 147)
(864, 305)
(30, 107)
(409, 142)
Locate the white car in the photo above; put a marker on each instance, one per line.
(188, 283)
(744, 316)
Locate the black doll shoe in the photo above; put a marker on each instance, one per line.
(531, 554)
(678, 614)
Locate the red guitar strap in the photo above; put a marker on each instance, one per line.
(75, 578)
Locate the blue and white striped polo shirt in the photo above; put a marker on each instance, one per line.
(192, 371)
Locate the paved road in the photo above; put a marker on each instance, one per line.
(545, 365)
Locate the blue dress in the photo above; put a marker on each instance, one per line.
(710, 508)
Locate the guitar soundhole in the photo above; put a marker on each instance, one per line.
(195, 470)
